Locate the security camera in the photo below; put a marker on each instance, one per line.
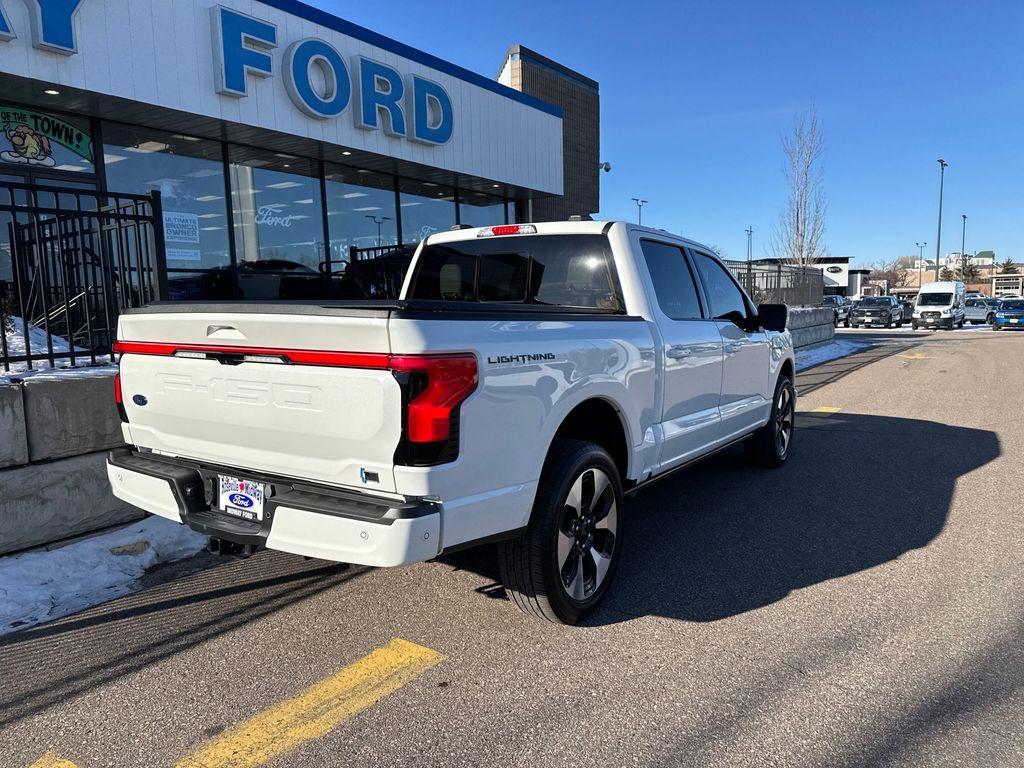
(604, 167)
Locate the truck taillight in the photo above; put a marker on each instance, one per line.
(433, 388)
(507, 229)
(118, 398)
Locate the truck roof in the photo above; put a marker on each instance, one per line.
(944, 285)
(566, 228)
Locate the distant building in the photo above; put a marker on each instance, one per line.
(1004, 284)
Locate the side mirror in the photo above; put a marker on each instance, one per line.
(773, 317)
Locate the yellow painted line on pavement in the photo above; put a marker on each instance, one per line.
(52, 760)
(826, 410)
(916, 356)
(318, 710)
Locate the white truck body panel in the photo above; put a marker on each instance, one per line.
(679, 388)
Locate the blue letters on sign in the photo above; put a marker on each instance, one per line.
(242, 46)
(6, 30)
(433, 119)
(297, 61)
(53, 24)
(379, 90)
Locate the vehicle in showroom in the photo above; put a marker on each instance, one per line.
(980, 310)
(940, 305)
(840, 308)
(524, 381)
(1009, 314)
(877, 310)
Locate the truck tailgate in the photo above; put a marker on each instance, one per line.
(249, 391)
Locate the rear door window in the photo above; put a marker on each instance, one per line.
(673, 282)
(575, 271)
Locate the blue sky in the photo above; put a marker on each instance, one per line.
(695, 97)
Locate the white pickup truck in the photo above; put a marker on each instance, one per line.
(526, 379)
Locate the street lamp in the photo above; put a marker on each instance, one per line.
(963, 254)
(640, 202)
(938, 238)
(750, 242)
(378, 220)
(920, 265)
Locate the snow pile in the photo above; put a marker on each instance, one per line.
(39, 586)
(807, 358)
(15, 337)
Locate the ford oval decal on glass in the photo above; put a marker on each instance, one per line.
(240, 500)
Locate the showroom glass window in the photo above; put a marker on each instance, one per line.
(278, 224)
(360, 209)
(189, 173)
(32, 140)
(478, 209)
(426, 208)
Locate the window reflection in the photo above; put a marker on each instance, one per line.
(189, 173)
(426, 208)
(478, 209)
(278, 221)
(360, 210)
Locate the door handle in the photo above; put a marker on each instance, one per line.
(677, 352)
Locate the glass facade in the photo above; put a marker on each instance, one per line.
(426, 208)
(241, 222)
(481, 210)
(361, 210)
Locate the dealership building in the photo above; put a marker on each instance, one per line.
(282, 140)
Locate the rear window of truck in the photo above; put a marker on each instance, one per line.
(575, 271)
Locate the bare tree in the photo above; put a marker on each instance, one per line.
(797, 237)
(896, 271)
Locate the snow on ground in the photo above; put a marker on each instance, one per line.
(806, 358)
(37, 340)
(43, 585)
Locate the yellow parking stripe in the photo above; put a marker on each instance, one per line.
(826, 410)
(52, 760)
(318, 710)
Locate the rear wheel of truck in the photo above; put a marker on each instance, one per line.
(770, 445)
(561, 567)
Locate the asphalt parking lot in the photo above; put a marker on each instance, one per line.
(862, 606)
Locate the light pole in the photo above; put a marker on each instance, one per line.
(378, 220)
(750, 242)
(938, 238)
(920, 265)
(963, 253)
(640, 202)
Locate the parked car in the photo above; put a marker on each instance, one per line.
(940, 305)
(514, 392)
(877, 310)
(840, 307)
(1009, 314)
(908, 309)
(978, 311)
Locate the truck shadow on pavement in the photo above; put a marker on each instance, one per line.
(720, 539)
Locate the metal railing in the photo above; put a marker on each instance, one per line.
(780, 283)
(70, 261)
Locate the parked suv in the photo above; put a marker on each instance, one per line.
(840, 307)
(877, 310)
(980, 310)
(526, 378)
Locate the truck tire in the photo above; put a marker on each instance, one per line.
(770, 445)
(561, 567)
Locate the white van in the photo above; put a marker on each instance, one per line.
(939, 305)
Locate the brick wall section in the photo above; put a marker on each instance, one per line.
(580, 100)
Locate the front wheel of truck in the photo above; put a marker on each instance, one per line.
(561, 567)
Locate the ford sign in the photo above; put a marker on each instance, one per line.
(240, 500)
(834, 270)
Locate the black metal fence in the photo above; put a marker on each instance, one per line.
(70, 260)
(780, 283)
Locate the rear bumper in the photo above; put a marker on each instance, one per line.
(298, 518)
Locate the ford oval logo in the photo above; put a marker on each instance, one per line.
(834, 270)
(240, 500)
(139, 399)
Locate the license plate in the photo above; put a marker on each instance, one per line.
(241, 498)
(1014, 320)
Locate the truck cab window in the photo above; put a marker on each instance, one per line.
(726, 299)
(673, 283)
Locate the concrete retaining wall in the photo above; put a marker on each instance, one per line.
(54, 432)
(811, 325)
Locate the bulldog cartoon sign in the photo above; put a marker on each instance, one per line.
(31, 138)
